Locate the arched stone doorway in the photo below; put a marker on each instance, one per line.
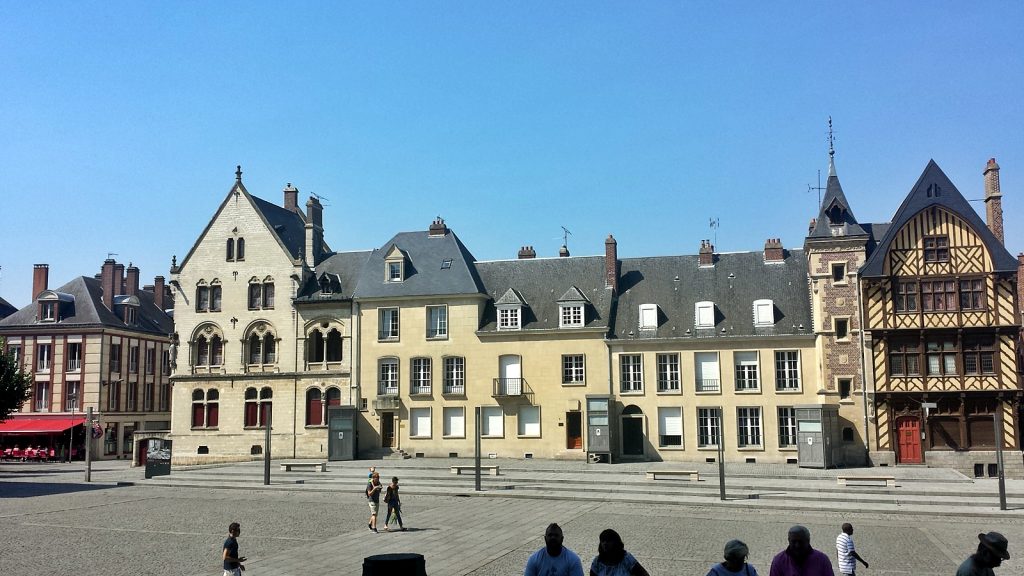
(632, 426)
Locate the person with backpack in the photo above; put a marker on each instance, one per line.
(394, 505)
(373, 488)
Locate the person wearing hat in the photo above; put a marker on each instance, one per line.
(992, 550)
(735, 564)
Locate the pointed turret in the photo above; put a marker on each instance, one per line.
(835, 218)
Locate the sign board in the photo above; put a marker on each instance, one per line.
(158, 457)
(929, 405)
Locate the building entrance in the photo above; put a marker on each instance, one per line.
(908, 440)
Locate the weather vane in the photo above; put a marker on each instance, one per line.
(714, 223)
(831, 139)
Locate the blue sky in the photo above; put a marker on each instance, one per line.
(122, 123)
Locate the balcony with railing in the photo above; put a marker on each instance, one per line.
(454, 389)
(512, 388)
(709, 385)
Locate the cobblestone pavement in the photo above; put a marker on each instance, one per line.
(52, 523)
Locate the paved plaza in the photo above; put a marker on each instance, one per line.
(53, 523)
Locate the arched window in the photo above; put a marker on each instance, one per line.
(216, 351)
(314, 407)
(208, 347)
(269, 349)
(268, 292)
(204, 408)
(266, 405)
(230, 254)
(215, 298)
(333, 397)
(334, 345)
(198, 410)
(316, 346)
(254, 349)
(255, 294)
(212, 407)
(240, 249)
(258, 407)
(202, 351)
(202, 297)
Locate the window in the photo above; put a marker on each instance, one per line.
(906, 297)
(764, 313)
(166, 363)
(632, 372)
(72, 390)
(455, 375)
(529, 421)
(147, 396)
(262, 349)
(258, 407)
(387, 324)
(387, 383)
(240, 249)
(255, 294)
(570, 316)
(748, 427)
(394, 271)
(268, 294)
(747, 376)
(150, 360)
(979, 355)
(74, 356)
(133, 359)
(209, 352)
(670, 427)
(668, 372)
(707, 373)
(419, 376)
(114, 396)
(44, 357)
(787, 427)
(115, 358)
(14, 352)
(936, 249)
(508, 318)
(41, 394)
(314, 407)
(847, 434)
(229, 254)
(131, 404)
(202, 298)
(325, 349)
(493, 421)
(437, 321)
(48, 311)
(904, 358)
(419, 422)
(648, 316)
(215, 298)
(573, 369)
(454, 422)
(704, 314)
(707, 427)
(842, 328)
(110, 439)
(165, 396)
(839, 273)
(844, 385)
(972, 294)
(787, 370)
(941, 357)
(938, 296)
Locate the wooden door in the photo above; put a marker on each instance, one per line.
(908, 440)
(387, 429)
(574, 430)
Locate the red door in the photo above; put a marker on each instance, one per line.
(908, 440)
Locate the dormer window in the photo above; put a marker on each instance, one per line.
(130, 315)
(571, 309)
(704, 314)
(648, 316)
(764, 313)
(55, 305)
(325, 285)
(395, 272)
(509, 317)
(48, 311)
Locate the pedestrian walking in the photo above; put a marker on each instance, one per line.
(612, 558)
(232, 561)
(735, 564)
(846, 554)
(799, 559)
(992, 550)
(553, 559)
(394, 505)
(373, 488)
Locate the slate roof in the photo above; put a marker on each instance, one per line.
(835, 210)
(950, 198)
(424, 273)
(343, 270)
(6, 308)
(677, 283)
(541, 282)
(88, 311)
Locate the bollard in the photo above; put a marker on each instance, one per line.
(403, 564)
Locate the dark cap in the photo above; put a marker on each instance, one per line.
(996, 543)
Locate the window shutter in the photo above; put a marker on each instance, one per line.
(670, 421)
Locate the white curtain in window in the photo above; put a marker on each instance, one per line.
(707, 365)
(493, 421)
(454, 422)
(529, 421)
(670, 421)
(419, 421)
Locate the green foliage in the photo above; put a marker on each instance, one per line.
(15, 385)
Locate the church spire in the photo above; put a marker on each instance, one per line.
(831, 149)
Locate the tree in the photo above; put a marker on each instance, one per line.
(15, 384)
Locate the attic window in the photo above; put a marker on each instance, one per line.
(570, 315)
(648, 316)
(325, 285)
(764, 313)
(47, 311)
(446, 264)
(704, 314)
(509, 317)
(394, 271)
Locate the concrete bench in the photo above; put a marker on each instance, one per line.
(492, 470)
(311, 466)
(692, 475)
(844, 480)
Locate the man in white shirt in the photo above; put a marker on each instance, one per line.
(554, 559)
(847, 555)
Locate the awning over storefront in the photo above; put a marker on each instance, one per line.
(38, 425)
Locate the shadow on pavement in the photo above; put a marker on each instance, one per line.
(30, 489)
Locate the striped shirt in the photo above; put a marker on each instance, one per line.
(844, 552)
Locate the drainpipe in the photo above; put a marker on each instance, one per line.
(295, 381)
(864, 374)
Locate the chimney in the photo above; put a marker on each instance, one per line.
(107, 283)
(314, 231)
(158, 292)
(527, 252)
(40, 279)
(773, 250)
(132, 280)
(810, 227)
(563, 252)
(118, 279)
(437, 228)
(706, 256)
(291, 198)
(611, 263)
(993, 200)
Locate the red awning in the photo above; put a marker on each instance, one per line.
(17, 425)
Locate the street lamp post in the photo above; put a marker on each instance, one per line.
(73, 399)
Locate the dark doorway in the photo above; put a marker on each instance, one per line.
(574, 430)
(632, 431)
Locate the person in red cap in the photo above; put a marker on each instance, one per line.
(992, 550)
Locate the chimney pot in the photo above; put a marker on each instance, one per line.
(706, 255)
(40, 279)
(291, 198)
(563, 252)
(437, 228)
(773, 251)
(527, 252)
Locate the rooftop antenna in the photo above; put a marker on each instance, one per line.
(714, 223)
(565, 236)
(321, 198)
(818, 188)
(111, 255)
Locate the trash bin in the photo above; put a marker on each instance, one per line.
(402, 564)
